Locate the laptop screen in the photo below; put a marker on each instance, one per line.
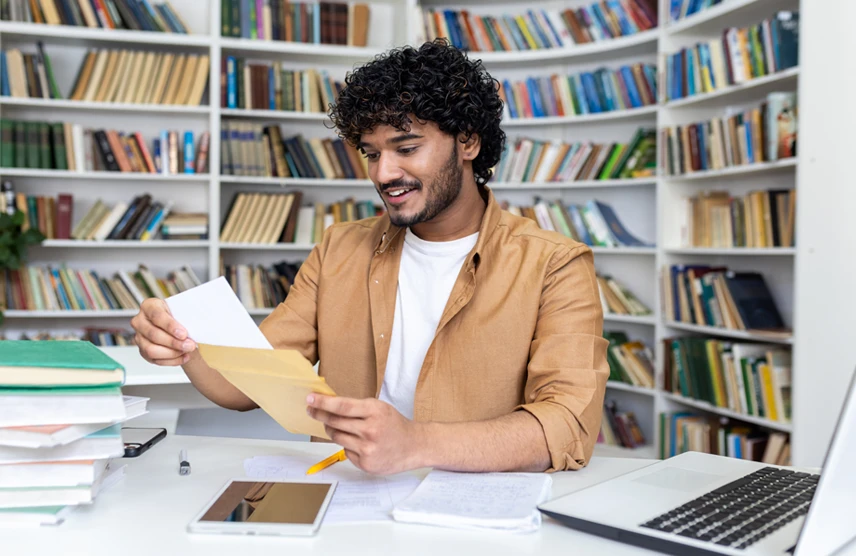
(829, 525)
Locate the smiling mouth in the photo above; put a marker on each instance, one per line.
(399, 192)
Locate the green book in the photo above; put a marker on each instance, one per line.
(49, 364)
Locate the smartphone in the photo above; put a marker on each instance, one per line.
(138, 440)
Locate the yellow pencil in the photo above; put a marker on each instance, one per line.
(323, 464)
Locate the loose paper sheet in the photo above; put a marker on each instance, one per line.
(213, 314)
(359, 497)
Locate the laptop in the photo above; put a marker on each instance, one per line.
(702, 504)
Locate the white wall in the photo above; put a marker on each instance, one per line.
(825, 310)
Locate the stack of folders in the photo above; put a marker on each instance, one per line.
(61, 409)
(479, 501)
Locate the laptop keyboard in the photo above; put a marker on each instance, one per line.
(744, 511)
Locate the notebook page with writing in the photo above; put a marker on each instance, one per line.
(502, 501)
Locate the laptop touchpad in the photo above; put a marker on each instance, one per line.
(677, 478)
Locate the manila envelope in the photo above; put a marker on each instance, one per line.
(277, 380)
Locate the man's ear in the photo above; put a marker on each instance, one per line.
(471, 146)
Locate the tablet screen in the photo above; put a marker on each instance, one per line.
(268, 502)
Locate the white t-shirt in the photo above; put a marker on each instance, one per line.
(425, 279)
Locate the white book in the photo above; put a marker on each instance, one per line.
(51, 473)
(102, 444)
(110, 222)
(46, 436)
(305, 223)
(486, 501)
(56, 496)
(44, 515)
(20, 407)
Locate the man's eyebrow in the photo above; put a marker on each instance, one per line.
(394, 140)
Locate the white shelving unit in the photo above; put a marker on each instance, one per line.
(646, 206)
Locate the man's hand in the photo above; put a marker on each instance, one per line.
(160, 339)
(376, 438)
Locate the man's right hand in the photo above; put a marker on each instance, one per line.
(160, 338)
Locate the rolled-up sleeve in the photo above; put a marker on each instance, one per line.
(567, 371)
(294, 322)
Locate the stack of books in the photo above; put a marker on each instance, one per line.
(61, 409)
(629, 362)
(619, 428)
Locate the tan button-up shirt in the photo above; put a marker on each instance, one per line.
(522, 328)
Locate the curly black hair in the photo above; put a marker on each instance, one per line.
(437, 83)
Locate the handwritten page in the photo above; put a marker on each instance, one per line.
(505, 501)
(359, 497)
(212, 314)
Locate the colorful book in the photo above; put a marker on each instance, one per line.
(50, 364)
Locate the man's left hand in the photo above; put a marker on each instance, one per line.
(376, 437)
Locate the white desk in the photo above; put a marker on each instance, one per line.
(148, 511)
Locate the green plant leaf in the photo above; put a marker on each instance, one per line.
(33, 237)
(13, 261)
(18, 218)
(6, 222)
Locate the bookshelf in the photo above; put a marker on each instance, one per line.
(646, 206)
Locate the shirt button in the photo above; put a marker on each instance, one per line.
(376, 282)
(381, 336)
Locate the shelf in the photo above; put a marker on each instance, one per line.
(126, 244)
(260, 312)
(734, 251)
(117, 176)
(648, 320)
(294, 182)
(615, 385)
(727, 333)
(299, 51)
(624, 250)
(744, 169)
(759, 84)
(273, 114)
(268, 246)
(633, 113)
(706, 406)
(62, 104)
(610, 451)
(69, 314)
(647, 39)
(711, 17)
(73, 35)
(582, 184)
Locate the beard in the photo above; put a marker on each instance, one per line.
(439, 195)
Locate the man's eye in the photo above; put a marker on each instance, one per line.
(407, 150)
(372, 156)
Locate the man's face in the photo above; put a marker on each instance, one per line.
(417, 173)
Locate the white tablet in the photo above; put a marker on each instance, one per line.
(271, 507)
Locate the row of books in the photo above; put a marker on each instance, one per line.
(98, 336)
(619, 428)
(49, 215)
(679, 9)
(28, 74)
(686, 431)
(260, 286)
(616, 299)
(67, 146)
(61, 415)
(136, 15)
(603, 90)
(141, 77)
(750, 379)
(59, 288)
(268, 218)
(251, 149)
(765, 133)
(529, 160)
(715, 296)
(315, 22)
(260, 85)
(741, 54)
(141, 219)
(593, 223)
(757, 219)
(540, 29)
(629, 362)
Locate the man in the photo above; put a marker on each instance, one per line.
(456, 335)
